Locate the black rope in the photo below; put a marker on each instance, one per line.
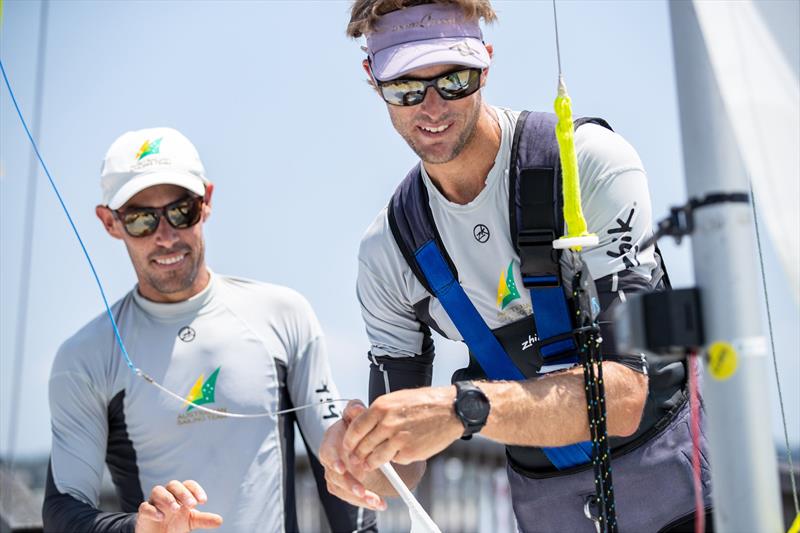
(590, 340)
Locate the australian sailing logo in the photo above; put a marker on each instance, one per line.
(511, 306)
(149, 148)
(507, 288)
(202, 392)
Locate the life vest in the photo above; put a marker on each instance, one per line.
(536, 220)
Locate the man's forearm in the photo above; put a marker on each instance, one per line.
(551, 410)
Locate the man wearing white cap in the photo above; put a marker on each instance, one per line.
(464, 249)
(224, 343)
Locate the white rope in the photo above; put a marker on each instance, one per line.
(233, 415)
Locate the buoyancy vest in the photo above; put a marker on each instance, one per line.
(536, 219)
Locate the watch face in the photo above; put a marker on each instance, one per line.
(473, 407)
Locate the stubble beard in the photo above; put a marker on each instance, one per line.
(175, 281)
(463, 140)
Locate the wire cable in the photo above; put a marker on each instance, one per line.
(23, 299)
(774, 352)
(558, 46)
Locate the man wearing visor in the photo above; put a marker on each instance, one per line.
(441, 255)
(229, 344)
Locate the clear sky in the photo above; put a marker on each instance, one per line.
(301, 151)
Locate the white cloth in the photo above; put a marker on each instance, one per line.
(245, 329)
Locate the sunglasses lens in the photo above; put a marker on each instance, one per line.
(403, 92)
(451, 86)
(184, 213)
(458, 84)
(140, 223)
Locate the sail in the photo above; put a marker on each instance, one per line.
(757, 79)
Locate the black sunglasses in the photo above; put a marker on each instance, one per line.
(143, 221)
(450, 86)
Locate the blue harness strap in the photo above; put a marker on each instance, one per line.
(482, 343)
(551, 315)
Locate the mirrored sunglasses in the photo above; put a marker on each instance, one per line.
(143, 221)
(450, 86)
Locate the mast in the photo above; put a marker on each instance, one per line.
(743, 464)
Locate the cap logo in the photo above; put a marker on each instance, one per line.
(149, 148)
(464, 49)
(426, 22)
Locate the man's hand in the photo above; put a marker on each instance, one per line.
(171, 509)
(346, 481)
(403, 427)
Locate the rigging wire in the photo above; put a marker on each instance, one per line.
(23, 299)
(558, 45)
(774, 352)
(750, 91)
(121, 344)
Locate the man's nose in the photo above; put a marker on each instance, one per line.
(433, 104)
(165, 234)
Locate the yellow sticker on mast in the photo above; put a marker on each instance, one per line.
(723, 360)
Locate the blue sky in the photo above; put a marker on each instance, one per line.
(300, 150)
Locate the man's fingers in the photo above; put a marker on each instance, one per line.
(201, 520)
(182, 494)
(148, 511)
(196, 490)
(359, 427)
(349, 489)
(383, 453)
(376, 437)
(331, 445)
(163, 500)
(353, 409)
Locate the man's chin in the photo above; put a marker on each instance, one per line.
(172, 282)
(435, 155)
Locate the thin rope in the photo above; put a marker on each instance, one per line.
(761, 138)
(558, 46)
(23, 299)
(774, 353)
(121, 344)
(236, 415)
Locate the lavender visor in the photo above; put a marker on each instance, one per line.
(424, 36)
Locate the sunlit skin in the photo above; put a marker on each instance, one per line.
(157, 281)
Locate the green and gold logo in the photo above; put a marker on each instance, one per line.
(203, 391)
(149, 148)
(507, 288)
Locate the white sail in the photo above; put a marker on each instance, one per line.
(761, 95)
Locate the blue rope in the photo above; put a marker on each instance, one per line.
(71, 223)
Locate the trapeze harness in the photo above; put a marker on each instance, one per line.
(565, 312)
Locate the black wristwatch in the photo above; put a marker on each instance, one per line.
(471, 407)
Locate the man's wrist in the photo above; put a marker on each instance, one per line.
(471, 407)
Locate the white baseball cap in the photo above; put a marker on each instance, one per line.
(144, 158)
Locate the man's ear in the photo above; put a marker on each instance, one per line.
(106, 216)
(207, 200)
(485, 74)
(370, 78)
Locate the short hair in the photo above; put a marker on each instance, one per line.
(365, 13)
